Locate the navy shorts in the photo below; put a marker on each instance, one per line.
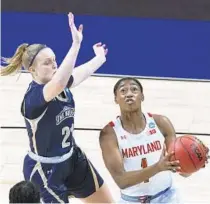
(75, 177)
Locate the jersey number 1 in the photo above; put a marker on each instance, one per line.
(66, 132)
(144, 165)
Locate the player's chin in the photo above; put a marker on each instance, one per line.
(131, 107)
(47, 79)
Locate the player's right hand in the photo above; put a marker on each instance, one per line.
(77, 35)
(164, 164)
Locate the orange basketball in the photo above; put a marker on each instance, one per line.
(190, 152)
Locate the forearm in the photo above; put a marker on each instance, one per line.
(82, 72)
(132, 178)
(66, 68)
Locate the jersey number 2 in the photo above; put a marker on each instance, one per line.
(144, 165)
(66, 132)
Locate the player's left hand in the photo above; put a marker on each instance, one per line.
(207, 156)
(207, 151)
(100, 49)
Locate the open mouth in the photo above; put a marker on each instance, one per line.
(129, 101)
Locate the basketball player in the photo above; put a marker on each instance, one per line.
(55, 163)
(24, 192)
(133, 149)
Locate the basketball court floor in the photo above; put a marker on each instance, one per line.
(185, 103)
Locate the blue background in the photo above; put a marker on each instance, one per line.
(137, 46)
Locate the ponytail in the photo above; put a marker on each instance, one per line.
(15, 62)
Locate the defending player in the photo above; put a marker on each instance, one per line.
(136, 142)
(55, 162)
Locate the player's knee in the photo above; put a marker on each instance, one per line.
(24, 192)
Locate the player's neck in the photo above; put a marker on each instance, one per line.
(38, 81)
(133, 122)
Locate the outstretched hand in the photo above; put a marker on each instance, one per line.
(77, 35)
(100, 49)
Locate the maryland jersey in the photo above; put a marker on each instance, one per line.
(139, 151)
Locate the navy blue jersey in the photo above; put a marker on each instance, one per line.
(49, 125)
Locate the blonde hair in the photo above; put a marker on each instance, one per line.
(23, 57)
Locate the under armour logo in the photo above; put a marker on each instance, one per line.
(49, 171)
(123, 137)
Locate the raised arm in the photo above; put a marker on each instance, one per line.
(82, 72)
(114, 162)
(60, 79)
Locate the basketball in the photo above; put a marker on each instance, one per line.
(190, 152)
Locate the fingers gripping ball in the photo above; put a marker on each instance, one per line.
(190, 152)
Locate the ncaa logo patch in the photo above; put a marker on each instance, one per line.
(151, 125)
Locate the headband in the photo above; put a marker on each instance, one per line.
(41, 47)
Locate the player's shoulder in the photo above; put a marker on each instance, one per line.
(163, 122)
(33, 86)
(159, 119)
(107, 131)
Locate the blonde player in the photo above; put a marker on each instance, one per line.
(133, 149)
(55, 163)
